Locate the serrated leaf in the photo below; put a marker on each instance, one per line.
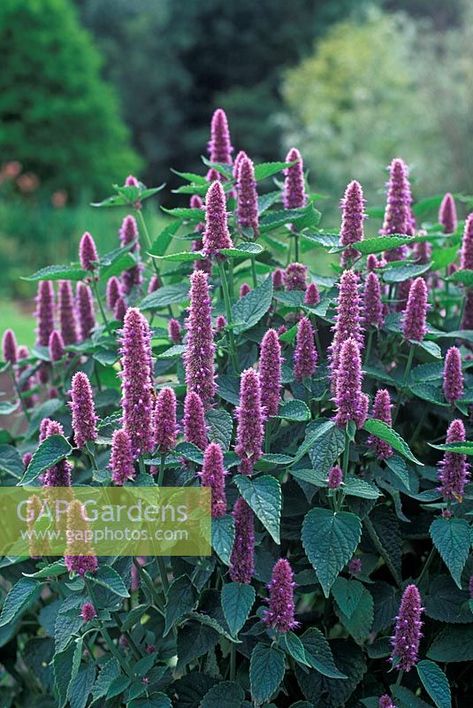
(463, 276)
(108, 672)
(244, 250)
(435, 683)
(223, 534)
(252, 307)
(167, 295)
(51, 451)
(453, 643)
(108, 578)
(10, 461)
(294, 647)
(193, 640)
(181, 257)
(237, 600)
(174, 352)
(182, 598)
(446, 603)
(451, 537)
(385, 432)
(294, 410)
(326, 449)
(162, 242)
(461, 448)
(359, 619)
(58, 272)
(428, 392)
(268, 169)
(50, 571)
(381, 243)
(225, 693)
(62, 667)
(220, 427)
(330, 539)
(399, 274)
(319, 655)
(21, 595)
(356, 487)
(67, 624)
(266, 672)
(263, 496)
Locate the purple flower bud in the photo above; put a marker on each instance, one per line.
(294, 195)
(371, 262)
(354, 566)
(422, 252)
(242, 559)
(132, 277)
(250, 422)
(452, 376)
(87, 612)
(244, 289)
(236, 164)
(195, 429)
(56, 346)
(219, 147)
(466, 253)
(312, 295)
(281, 608)
(67, 313)
(27, 457)
(278, 278)
(9, 347)
(174, 331)
(200, 350)
(44, 312)
(131, 181)
(213, 476)
(381, 411)
(448, 214)
(270, 362)
(121, 458)
(84, 420)
(129, 232)
(373, 309)
(305, 353)
(414, 325)
(247, 196)
(120, 309)
(349, 399)
(398, 217)
(407, 633)
(216, 234)
(347, 320)
(453, 470)
(351, 231)
(213, 176)
(85, 309)
(137, 382)
(220, 323)
(385, 702)
(79, 557)
(154, 284)
(114, 291)
(295, 277)
(88, 255)
(335, 477)
(165, 424)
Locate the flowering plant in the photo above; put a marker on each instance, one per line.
(327, 413)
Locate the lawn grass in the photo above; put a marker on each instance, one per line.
(14, 317)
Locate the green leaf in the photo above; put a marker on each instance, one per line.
(185, 213)
(263, 495)
(167, 295)
(174, 352)
(435, 683)
(182, 598)
(358, 618)
(314, 433)
(428, 392)
(118, 685)
(225, 693)
(124, 261)
(330, 539)
(244, 250)
(268, 169)
(252, 307)
(319, 655)
(327, 448)
(381, 243)
(266, 672)
(108, 672)
(356, 487)
(453, 643)
(21, 596)
(193, 640)
(276, 458)
(49, 453)
(407, 699)
(181, 257)
(58, 272)
(451, 537)
(50, 571)
(62, 667)
(294, 410)
(399, 274)
(462, 448)
(347, 594)
(294, 647)
(223, 534)
(109, 579)
(162, 242)
(462, 276)
(66, 626)
(445, 602)
(220, 427)
(237, 600)
(81, 686)
(10, 461)
(385, 432)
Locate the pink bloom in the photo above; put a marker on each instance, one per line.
(213, 476)
(247, 196)
(454, 470)
(453, 386)
(84, 420)
(335, 477)
(154, 284)
(216, 234)
(242, 559)
(44, 312)
(373, 309)
(79, 557)
(195, 429)
(220, 323)
(448, 214)
(114, 291)
(219, 147)
(200, 350)
(352, 220)
(312, 295)
(281, 607)
(414, 325)
(236, 163)
(295, 277)
(9, 346)
(407, 633)
(88, 612)
(85, 308)
(250, 422)
(305, 353)
(88, 252)
(165, 424)
(398, 216)
(278, 278)
(270, 362)
(381, 411)
(244, 289)
(56, 346)
(351, 403)
(121, 459)
(174, 331)
(466, 253)
(120, 309)
(67, 314)
(347, 320)
(294, 195)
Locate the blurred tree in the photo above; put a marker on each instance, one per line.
(57, 116)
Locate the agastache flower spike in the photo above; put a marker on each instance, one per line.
(453, 386)
(294, 195)
(381, 411)
(200, 350)
(373, 309)
(397, 217)
(371, 262)
(131, 181)
(84, 420)
(79, 557)
(127, 234)
(67, 314)
(85, 309)
(213, 476)
(312, 295)
(278, 278)
(247, 196)
(453, 470)
(219, 147)
(56, 346)
(448, 214)
(466, 253)
(242, 559)
(352, 220)
(305, 353)
(121, 459)
(44, 312)
(244, 289)
(414, 325)
(250, 422)
(347, 321)
(351, 403)
(295, 277)
(9, 347)
(165, 424)
(137, 377)
(174, 331)
(335, 478)
(195, 429)
(87, 252)
(280, 612)
(236, 163)
(220, 323)
(154, 284)
(270, 362)
(407, 633)
(114, 291)
(60, 474)
(385, 702)
(216, 234)
(88, 612)
(120, 309)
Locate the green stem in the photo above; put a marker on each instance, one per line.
(368, 346)
(228, 312)
(399, 678)
(232, 662)
(141, 465)
(253, 272)
(163, 574)
(99, 300)
(142, 221)
(427, 565)
(162, 465)
(18, 393)
(296, 247)
(346, 455)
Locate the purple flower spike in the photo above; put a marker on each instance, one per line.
(9, 347)
(236, 163)
(84, 420)
(219, 147)
(347, 321)
(200, 350)
(220, 323)
(354, 566)
(407, 634)
(44, 312)
(213, 176)
(120, 309)
(349, 399)
(56, 346)
(154, 284)
(121, 459)
(79, 557)
(335, 477)
(137, 382)
(88, 255)
(174, 331)
(305, 353)
(280, 612)
(244, 289)
(414, 325)
(452, 376)
(453, 470)
(195, 429)
(128, 232)
(216, 234)
(352, 220)
(67, 313)
(398, 217)
(373, 309)
(295, 277)
(213, 476)
(371, 262)
(448, 214)
(385, 702)
(247, 196)
(294, 195)
(278, 278)
(250, 422)
(88, 612)
(312, 295)
(85, 308)
(381, 411)
(165, 420)
(270, 362)
(466, 253)
(60, 474)
(114, 291)
(242, 559)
